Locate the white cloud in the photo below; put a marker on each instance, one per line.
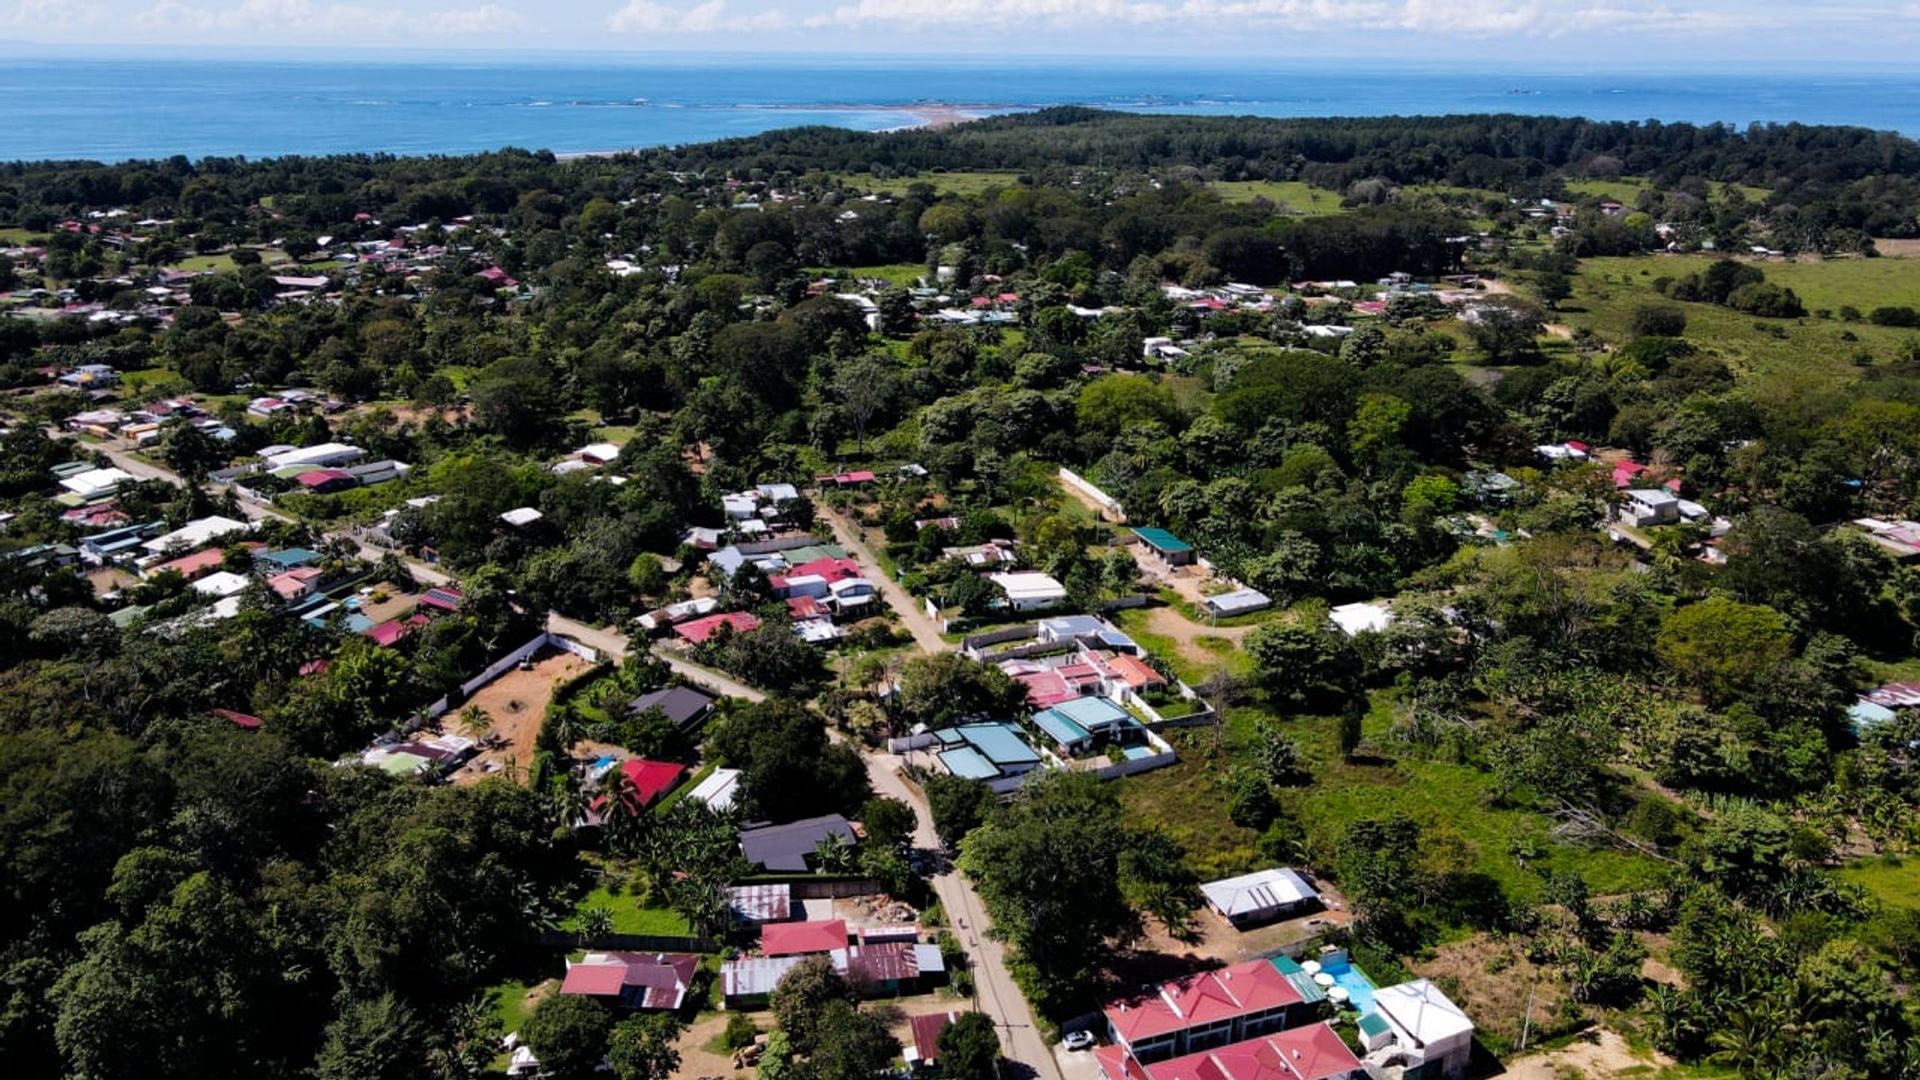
(50, 14)
(309, 17)
(1452, 18)
(647, 17)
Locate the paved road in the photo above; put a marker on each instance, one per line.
(925, 633)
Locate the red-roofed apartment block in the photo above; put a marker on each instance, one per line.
(800, 938)
(1314, 1052)
(1213, 1008)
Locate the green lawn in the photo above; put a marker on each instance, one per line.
(1295, 195)
(971, 182)
(1451, 802)
(1628, 188)
(629, 917)
(1893, 881)
(902, 274)
(19, 237)
(1607, 290)
(509, 998)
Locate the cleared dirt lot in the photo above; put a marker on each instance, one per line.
(515, 703)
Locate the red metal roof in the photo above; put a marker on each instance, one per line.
(192, 566)
(237, 719)
(797, 938)
(699, 630)
(600, 980)
(926, 1034)
(1314, 1052)
(322, 477)
(651, 779)
(387, 632)
(1206, 998)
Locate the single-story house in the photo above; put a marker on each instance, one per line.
(1087, 629)
(1238, 602)
(295, 584)
(97, 483)
(323, 456)
(633, 980)
(289, 558)
(717, 790)
(924, 1051)
(761, 903)
(326, 481)
(873, 971)
(1261, 897)
(683, 705)
(204, 561)
(1435, 1034)
(995, 753)
(1171, 549)
(695, 631)
(786, 848)
(801, 938)
(223, 583)
(600, 453)
(1078, 723)
(441, 598)
(648, 780)
(521, 517)
(1356, 619)
(194, 534)
(1030, 591)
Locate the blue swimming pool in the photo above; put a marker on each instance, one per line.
(1347, 977)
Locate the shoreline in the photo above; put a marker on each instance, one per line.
(930, 117)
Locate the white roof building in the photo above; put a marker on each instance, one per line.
(319, 457)
(223, 584)
(195, 534)
(1260, 896)
(97, 482)
(1030, 590)
(717, 790)
(601, 453)
(1356, 619)
(521, 516)
(1427, 1025)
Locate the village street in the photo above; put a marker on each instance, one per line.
(997, 994)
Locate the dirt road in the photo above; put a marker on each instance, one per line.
(925, 633)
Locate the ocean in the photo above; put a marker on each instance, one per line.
(117, 109)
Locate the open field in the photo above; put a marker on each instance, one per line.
(1453, 804)
(902, 274)
(1893, 881)
(515, 703)
(19, 237)
(957, 183)
(1294, 195)
(630, 916)
(1607, 290)
(1626, 189)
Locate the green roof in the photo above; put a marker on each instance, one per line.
(1002, 744)
(1162, 540)
(968, 764)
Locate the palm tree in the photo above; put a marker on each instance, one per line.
(834, 855)
(1748, 1041)
(475, 723)
(566, 800)
(620, 810)
(594, 924)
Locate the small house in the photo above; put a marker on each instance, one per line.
(683, 705)
(1169, 548)
(786, 849)
(1261, 897)
(1238, 602)
(631, 980)
(1030, 591)
(1649, 506)
(803, 938)
(1435, 1035)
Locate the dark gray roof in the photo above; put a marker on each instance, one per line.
(682, 704)
(785, 848)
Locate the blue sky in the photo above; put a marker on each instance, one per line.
(1662, 33)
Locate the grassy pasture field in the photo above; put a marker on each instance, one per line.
(957, 183)
(1301, 198)
(1607, 290)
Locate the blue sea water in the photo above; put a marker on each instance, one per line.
(115, 109)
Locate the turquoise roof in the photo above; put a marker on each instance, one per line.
(292, 557)
(1163, 540)
(1060, 728)
(968, 764)
(1001, 744)
(1374, 1024)
(1092, 712)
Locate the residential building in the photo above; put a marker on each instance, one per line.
(1649, 506)
(994, 753)
(1086, 629)
(683, 705)
(195, 534)
(1030, 591)
(801, 938)
(1238, 602)
(695, 631)
(1263, 896)
(923, 1050)
(1205, 1011)
(786, 848)
(1430, 1034)
(633, 980)
(761, 903)
(1169, 548)
(873, 971)
(716, 791)
(1082, 723)
(1313, 1052)
(1356, 619)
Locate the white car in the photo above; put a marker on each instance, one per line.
(1078, 1040)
